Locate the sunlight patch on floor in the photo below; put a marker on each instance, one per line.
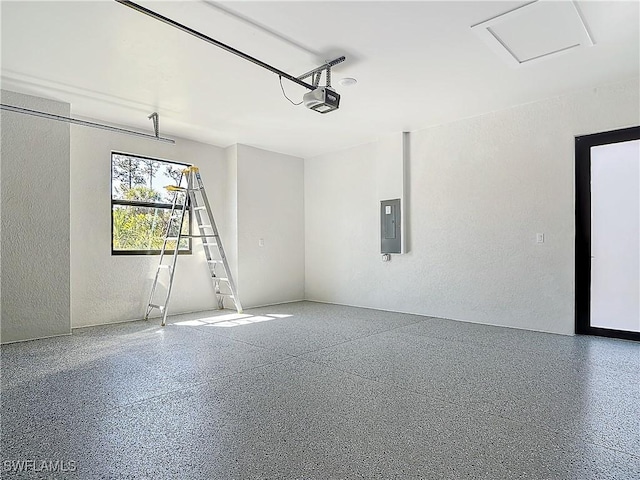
(232, 320)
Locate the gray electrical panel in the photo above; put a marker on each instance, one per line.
(391, 241)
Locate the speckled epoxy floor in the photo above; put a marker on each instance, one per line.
(307, 390)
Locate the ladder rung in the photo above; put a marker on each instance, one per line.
(159, 307)
(205, 235)
(164, 266)
(221, 279)
(205, 225)
(230, 295)
(200, 208)
(215, 261)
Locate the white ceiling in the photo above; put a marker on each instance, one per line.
(417, 64)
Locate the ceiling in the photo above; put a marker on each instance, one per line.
(418, 64)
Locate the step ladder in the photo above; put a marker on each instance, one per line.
(186, 200)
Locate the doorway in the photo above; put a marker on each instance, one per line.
(608, 234)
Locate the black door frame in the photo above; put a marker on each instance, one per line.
(583, 229)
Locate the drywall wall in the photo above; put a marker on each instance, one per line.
(480, 190)
(35, 221)
(270, 227)
(109, 288)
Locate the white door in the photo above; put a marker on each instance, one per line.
(615, 236)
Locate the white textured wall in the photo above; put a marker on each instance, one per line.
(109, 288)
(270, 196)
(35, 221)
(480, 190)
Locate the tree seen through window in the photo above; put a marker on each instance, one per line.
(141, 206)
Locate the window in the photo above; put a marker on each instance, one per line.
(141, 206)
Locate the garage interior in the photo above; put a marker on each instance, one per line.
(453, 351)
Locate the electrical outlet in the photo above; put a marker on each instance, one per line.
(261, 242)
(539, 237)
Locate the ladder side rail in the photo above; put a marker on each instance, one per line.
(176, 251)
(167, 231)
(225, 263)
(174, 259)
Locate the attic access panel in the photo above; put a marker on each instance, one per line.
(535, 31)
